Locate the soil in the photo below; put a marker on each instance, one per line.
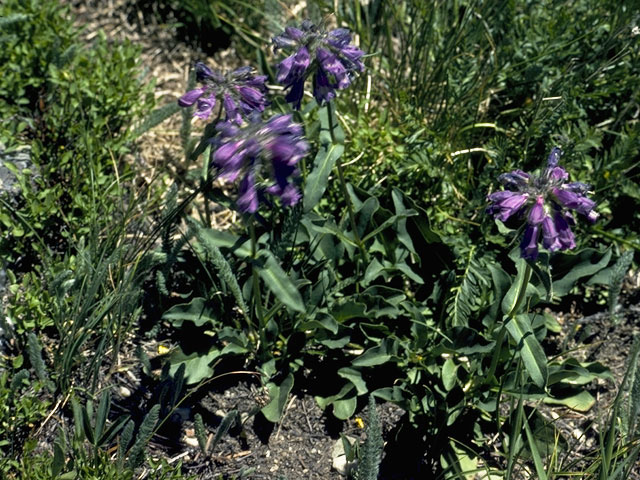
(302, 444)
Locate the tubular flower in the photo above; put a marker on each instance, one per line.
(241, 91)
(327, 56)
(265, 155)
(545, 202)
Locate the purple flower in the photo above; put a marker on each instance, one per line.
(328, 56)
(242, 93)
(544, 202)
(264, 155)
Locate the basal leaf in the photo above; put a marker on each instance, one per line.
(195, 311)
(278, 395)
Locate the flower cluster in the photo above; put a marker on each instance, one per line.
(328, 56)
(242, 93)
(265, 155)
(544, 201)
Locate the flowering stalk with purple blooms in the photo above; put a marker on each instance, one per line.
(264, 155)
(332, 61)
(544, 202)
(327, 56)
(241, 91)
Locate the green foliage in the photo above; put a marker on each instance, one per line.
(371, 451)
(23, 405)
(75, 107)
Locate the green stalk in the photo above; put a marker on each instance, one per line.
(255, 296)
(345, 193)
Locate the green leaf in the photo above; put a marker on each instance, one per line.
(582, 264)
(581, 401)
(344, 402)
(521, 281)
(197, 366)
(318, 179)
(221, 239)
(355, 377)
(531, 352)
(279, 283)
(449, 374)
(374, 356)
(329, 151)
(156, 117)
(103, 412)
(278, 395)
(345, 407)
(226, 423)
(195, 311)
(145, 433)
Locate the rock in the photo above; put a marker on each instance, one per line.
(339, 459)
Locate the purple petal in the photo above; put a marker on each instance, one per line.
(353, 55)
(205, 106)
(537, 214)
(203, 72)
(554, 157)
(190, 97)
(565, 235)
(253, 98)
(323, 91)
(339, 37)
(247, 195)
(550, 238)
(506, 203)
(233, 115)
(577, 202)
(333, 67)
(294, 33)
(557, 174)
(290, 196)
(529, 245)
(517, 179)
(295, 94)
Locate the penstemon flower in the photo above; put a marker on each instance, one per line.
(545, 202)
(327, 56)
(241, 91)
(265, 155)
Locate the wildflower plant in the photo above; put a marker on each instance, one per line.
(544, 202)
(242, 93)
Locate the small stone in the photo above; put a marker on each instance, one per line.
(124, 392)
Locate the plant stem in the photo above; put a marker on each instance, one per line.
(255, 295)
(522, 292)
(345, 192)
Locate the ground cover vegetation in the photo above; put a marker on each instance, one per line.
(421, 190)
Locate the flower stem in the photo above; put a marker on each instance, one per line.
(255, 295)
(345, 192)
